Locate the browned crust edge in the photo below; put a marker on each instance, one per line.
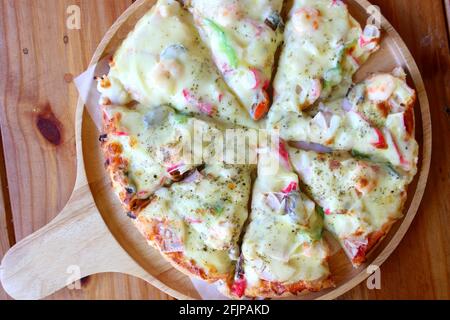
(277, 290)
(372, 240)
(149, 229)
(117, 166)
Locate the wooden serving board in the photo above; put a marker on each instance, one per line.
(92, 233)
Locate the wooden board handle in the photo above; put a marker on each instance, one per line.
(49, 260)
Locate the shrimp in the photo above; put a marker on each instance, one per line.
(112, 91)
(365, 178)
(306, 19)
(166, 73)
(228, 14)
(380, 87)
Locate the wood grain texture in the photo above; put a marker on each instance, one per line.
(447, 10)
(419, 268)
(74, 245)
(39, 58)
(6, 228)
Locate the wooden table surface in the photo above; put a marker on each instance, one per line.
(39, 57)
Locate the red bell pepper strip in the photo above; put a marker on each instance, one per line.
(291, 187)
(238, 287)
(260, 109)
(284, 154)
(381, 142)
(408, 120)
(402, 159)
(121, 134)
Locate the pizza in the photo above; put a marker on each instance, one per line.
(283, 252)
(374, 121)
(196, 223)
(328, 154)
(147, 148)
(360, 200)
(243, 36)
(171, 67)
(324, 46)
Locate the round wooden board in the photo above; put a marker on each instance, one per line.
(393, 53)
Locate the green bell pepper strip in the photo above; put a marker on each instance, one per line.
(224, 43)
(316, 228)
(320, 212)
(359, 155)
(388, 166)
(335, 75)
(181, 118)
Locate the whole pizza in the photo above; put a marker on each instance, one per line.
(321, 153)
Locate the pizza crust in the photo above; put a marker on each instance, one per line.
(276, 290)
(177, 259)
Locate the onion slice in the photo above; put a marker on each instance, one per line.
(310, 146)
(194, 176)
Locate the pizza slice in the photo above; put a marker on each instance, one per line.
(196, 223)
(375, 122)
(243, 36)
(283, 252)
(361, 200)
(324, 47)
(147, 148)
(163, 61)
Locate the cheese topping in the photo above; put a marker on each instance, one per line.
(204, 216)
(156, 143)
(282, 243)
(375, 121)
(324, 47)
(163, 61)
(357, 197)
(243, 37)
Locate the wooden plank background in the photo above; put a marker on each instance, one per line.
(39, 58)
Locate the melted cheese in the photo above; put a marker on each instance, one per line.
(282, 245)
(321, 39)
(358, 197)
(215, 204)
(376, 110)
(154, 141)
(163, 61)
(211, 214)
(242, 44)
(324, 47)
